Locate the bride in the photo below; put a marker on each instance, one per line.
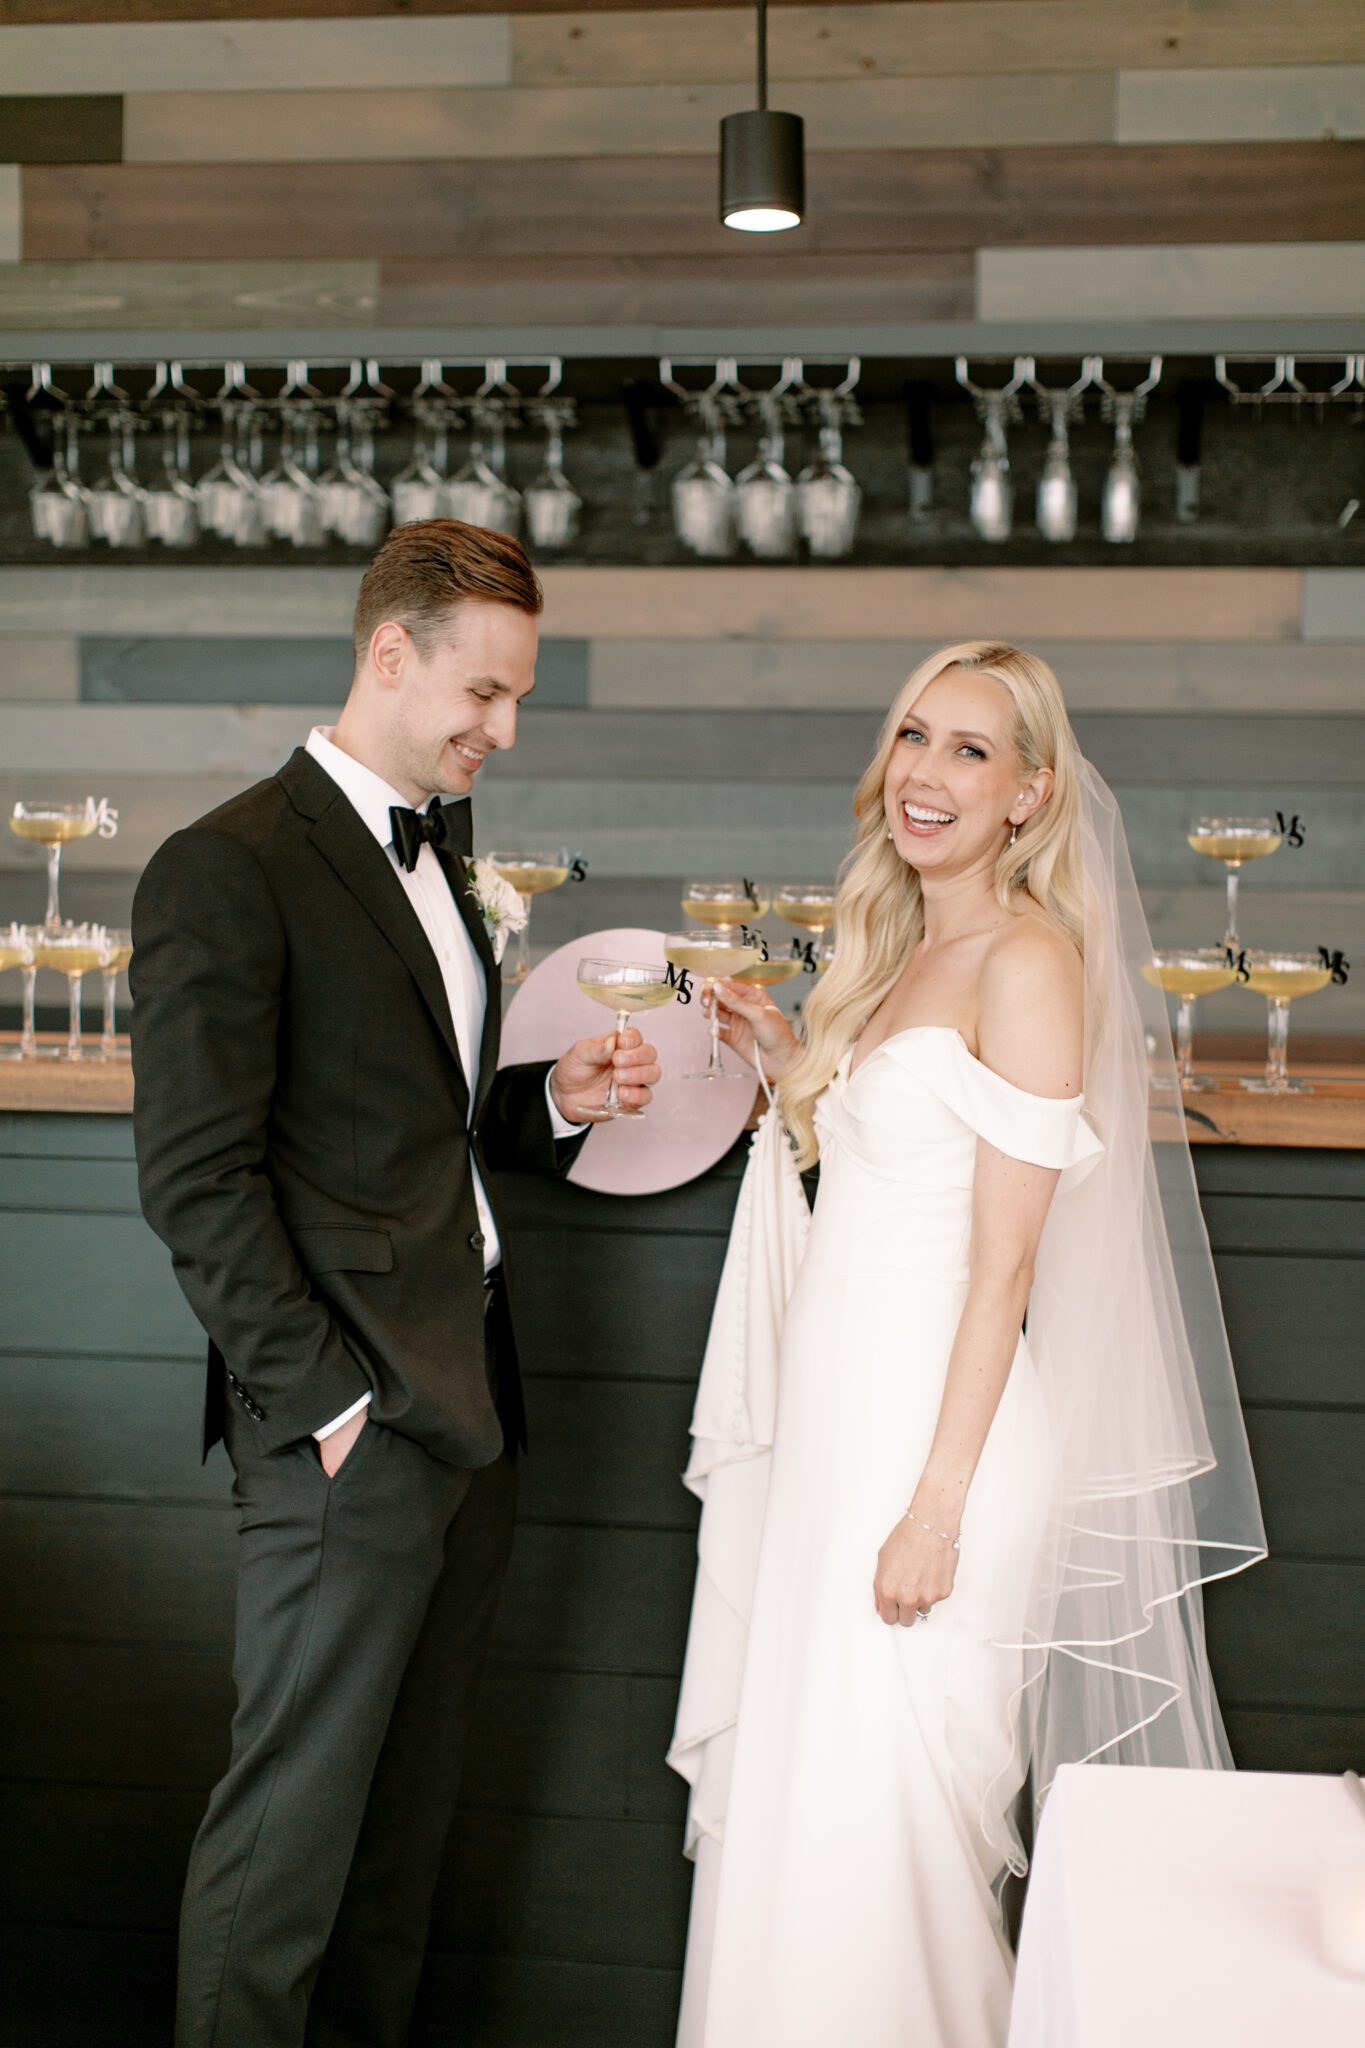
(943, 1550)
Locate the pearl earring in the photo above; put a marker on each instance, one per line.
(1014, 834)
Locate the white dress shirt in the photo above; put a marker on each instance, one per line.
(461, 968)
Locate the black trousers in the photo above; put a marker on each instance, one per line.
(364, 1609)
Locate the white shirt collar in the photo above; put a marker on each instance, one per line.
(367, 792)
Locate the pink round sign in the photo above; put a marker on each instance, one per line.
(688, 1126)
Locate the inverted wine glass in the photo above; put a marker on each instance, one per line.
(629, 987)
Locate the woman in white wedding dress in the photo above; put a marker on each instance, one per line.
(855, 1815)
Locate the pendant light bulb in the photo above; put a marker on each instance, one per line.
(762, 160)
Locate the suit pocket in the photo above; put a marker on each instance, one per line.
(343, 1248)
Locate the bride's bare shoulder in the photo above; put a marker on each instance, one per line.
(1031, 1006)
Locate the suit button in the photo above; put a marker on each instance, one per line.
(477, 1241)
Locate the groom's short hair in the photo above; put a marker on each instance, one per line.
(426, 569)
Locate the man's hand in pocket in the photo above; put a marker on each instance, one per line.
(335, 1449)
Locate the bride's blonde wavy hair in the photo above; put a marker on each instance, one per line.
(879, 909)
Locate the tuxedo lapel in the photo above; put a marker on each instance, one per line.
(453, 866)
(357, 858)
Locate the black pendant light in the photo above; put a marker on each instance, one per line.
(762, 159)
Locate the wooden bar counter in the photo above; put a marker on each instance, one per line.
(562, 1915)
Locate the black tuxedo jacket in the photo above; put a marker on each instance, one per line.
(302, 1123)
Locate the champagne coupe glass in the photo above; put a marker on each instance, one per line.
(1234, 841)
(710, 953)
(119, 951)
(809, 904)
(628, 987)
(53, 825)
(1188, 972)
(777, 968)
(16, 950)
(727, 905)
(1279, 977)
(73, 951)
(530, 874)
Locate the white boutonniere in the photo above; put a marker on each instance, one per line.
(500, 906)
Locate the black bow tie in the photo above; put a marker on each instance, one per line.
(444, 825)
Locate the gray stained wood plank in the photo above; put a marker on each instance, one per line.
(1022, 36)
(905, 200)
(83, 128)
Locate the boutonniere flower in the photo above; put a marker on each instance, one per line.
(500, 907)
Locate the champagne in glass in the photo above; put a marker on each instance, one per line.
(629, 988)
(54, 826)
(768, 973)
(709, 954)
(1279, 977)
(809, 904)
(16, 950)
(120, 952)
(530, 874)
(1188, 973)
(726, 905)
(74, 951)
(1234, 841)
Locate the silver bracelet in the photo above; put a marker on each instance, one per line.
(955, 1541)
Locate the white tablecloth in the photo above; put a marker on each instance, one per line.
(1175, 1909)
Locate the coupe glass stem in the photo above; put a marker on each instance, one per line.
(1277, 1060)
(612, 1105)
(521, 949)
(716, 1068)
(73, 1040)
(1230, 940)
(28, 1039)
(1184, 1040)
(53, 920)
(109, 1035)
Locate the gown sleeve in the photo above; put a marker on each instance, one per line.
(1045, 1130)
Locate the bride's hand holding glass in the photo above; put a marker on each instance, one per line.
(749, 1017)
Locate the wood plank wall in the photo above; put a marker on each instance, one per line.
(716, 720)
(993, 160)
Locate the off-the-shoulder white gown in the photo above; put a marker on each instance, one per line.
(853, 1903)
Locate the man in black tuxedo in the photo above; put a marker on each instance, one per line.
(318, 1101)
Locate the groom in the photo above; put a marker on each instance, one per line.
(318, 1105)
